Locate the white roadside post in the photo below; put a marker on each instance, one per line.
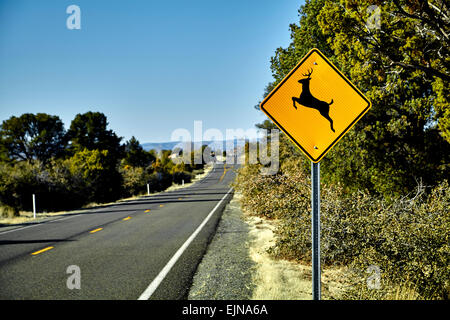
(34, 206)
(148, 189)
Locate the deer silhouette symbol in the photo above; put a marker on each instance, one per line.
(306, 99)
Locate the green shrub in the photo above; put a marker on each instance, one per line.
(407, 238)
(103, 182)
(18, 183)
(86, 177)
(159, 181)
(274, 196)
(180, 176)
(54, 186)
(7, 211)
(134, 180)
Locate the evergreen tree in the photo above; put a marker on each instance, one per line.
(135, 155)
(89, 131)
(32, 137)
(402, 65)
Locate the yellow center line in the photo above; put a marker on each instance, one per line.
(127, 218)
(148, 210)
(40, 251)
(96, 230)
(161, 205)
(180, 198)
(224, 172)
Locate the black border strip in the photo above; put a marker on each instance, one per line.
(343, 132)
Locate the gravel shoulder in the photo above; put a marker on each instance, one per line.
(225, 272)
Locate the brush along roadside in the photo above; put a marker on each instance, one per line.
(27, 216)
(238, 266)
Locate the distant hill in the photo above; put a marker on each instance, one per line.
(158, 146)
(215, 145)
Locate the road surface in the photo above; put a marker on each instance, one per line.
(147, 248)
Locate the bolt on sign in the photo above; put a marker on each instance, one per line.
(315, 105)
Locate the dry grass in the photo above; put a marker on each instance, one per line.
(275, 279)
(278, 279)
(406, 238)
(27, 216)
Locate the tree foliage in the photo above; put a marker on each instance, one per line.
(89, 131)
(384, 193)
(102, 179)
(407, 237)
(32, 137)
(135, 155)
(68, 170)
(402, 65)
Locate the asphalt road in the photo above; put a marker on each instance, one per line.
(120, 249)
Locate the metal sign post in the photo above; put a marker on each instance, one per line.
(315, 229)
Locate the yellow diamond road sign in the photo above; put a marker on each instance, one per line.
(315, 105)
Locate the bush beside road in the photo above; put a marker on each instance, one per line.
(404, 242)
(238, 266)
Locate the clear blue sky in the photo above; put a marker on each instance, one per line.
(149, 66)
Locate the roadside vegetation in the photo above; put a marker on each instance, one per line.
(384, 195)
(71, 169)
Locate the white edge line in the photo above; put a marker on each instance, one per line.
(50, 220)
(163, 273)
(19, 228)
(39, 223)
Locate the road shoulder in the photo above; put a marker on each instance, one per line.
(225, 272)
